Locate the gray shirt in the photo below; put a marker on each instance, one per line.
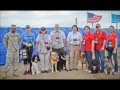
(57, 39)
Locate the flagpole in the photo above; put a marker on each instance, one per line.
(116, 26)
(76, 21)
(92, 25)
(111, 18)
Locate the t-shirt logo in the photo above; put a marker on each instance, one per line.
(110, 44)
(46, 41)
(83, 42)
(57, 38)
(75, 40)
(96, 40)
(30, 43)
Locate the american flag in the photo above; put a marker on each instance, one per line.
(92, 18)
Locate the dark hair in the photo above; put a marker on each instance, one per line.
(87, 27)
(112, 26)
(41, 32)
(75, 26)
(33, 58)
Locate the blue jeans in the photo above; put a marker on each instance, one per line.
(88, 55)
(100, 56)
(110, 53)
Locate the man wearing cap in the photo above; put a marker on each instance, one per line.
(11, 41)
(58, 42)
(43, 47)
(28, 39)
(100, 42)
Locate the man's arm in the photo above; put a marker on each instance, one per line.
(37, 43)
(104, 42)
(5, 40)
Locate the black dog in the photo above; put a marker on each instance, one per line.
(62, 61)
(94, 66)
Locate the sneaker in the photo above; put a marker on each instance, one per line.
(89, 71)
(66, 69)
(25, 72)
(115, 73)
(101, 71)
(70, 69)
(29, 72)
(75, 69)
(42, 71)
(86, 70)
(47, 71)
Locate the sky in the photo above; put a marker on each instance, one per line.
(65, 18)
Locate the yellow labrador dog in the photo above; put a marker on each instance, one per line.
(54, 60)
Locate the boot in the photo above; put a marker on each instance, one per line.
(15, 74)
(4, 75)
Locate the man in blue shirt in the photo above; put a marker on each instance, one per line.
(28, 39)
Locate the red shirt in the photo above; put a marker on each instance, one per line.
(111, 38)
(99, 38)
(87, 41)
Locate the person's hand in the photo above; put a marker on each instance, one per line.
(50, 50)
(68, 49)
(114, 51)
(64, 48)
(102, 48)
(27, 45)
(79, 49)
(37, 52)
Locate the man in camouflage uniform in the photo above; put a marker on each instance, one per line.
(11, 41)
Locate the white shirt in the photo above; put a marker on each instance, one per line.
(62, 34)
(71, 36)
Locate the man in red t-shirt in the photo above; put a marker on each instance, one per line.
(100, 42)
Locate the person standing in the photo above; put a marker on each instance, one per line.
(58, 43)
(43, 47)
(74, 39)
(27, 40)
(100, 42)
(88, 46)
(11, 41)
(112, 47)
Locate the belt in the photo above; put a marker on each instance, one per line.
(74, 45)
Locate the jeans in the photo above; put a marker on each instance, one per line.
(110, 53)
(100, 56)
(88, 55)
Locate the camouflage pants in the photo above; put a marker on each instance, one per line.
(45, 61)
(12, 59)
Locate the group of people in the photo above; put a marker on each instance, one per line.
(93, 44)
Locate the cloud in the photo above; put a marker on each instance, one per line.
(50, 18)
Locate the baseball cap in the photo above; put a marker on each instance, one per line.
(27, 26)
(98, 25)
(13, 26)
(43, 28)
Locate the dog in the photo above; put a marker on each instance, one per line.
(34, 68)
(83, 60)
(62, 58)
(94, 66)
(109, 67)
(54, 59)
